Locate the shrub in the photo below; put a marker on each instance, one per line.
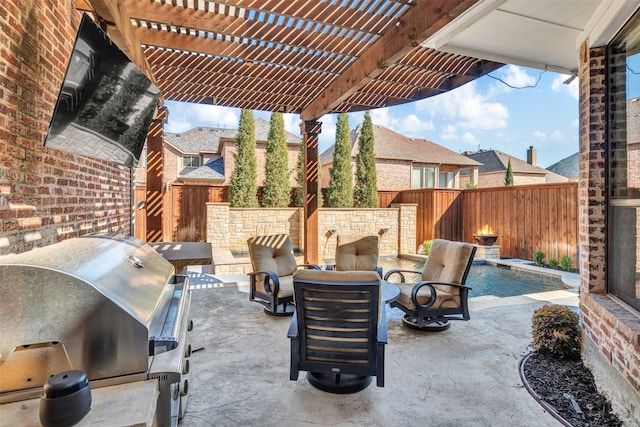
(538, 257)
(556, 331)
(426, 246)
(553, 263)
(566, 263)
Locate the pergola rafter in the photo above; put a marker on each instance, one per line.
(309, 57)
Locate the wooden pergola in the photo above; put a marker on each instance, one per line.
(308, 57)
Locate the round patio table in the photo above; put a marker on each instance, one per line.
(390, 292)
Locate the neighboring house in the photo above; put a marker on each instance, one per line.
(567, 167)
(205, 156)
(494, 168)
(404, 163)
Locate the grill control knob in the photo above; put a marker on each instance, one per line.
(184, 387)
(187, 351)
(190, 325)
(185, 368)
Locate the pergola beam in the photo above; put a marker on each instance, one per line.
(422, 21)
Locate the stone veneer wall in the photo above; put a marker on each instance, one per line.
(47, 195)
(611, 330)
(229, 228)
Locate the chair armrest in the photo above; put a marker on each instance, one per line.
(293, 327)
(382, 324)
(400, 273)
(270, 276)
(432, 297)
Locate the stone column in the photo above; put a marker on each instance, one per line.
(218, 226)
(406, 227)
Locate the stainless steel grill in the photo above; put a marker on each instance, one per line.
(106, 304)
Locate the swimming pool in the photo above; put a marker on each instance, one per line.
(489, 279)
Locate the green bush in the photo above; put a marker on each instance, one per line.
(553, 263)
(426, 246)
(556, 331)
(566, 263)
(538, 257)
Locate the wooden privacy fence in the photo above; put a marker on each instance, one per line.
(526, 218)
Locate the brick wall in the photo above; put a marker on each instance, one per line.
(609, 327)
(393, 175)
(47, 195)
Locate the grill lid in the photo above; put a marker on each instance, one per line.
(95, 303)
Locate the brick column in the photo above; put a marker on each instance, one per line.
(592, 170)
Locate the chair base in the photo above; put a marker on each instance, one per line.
(437, 326)
(338, 383)
(288, 310)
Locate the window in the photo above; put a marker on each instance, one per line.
(623, 153)
(446, 179)
(191, 161)
(423, 177)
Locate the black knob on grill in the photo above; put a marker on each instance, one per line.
(184, 389)
(66, 399)
(187, 352)
(185, 368)
(190, 325)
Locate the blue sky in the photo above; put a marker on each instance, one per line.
(486, 113)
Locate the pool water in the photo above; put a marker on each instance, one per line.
(488, 279)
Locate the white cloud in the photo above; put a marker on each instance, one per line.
(539, 135)
(557, 136)
(469, 139)
(511, 76)
(575, 123)
(184, 116)
(572, 89)
(410, 125)
(466, 108)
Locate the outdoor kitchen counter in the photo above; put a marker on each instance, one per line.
(119, 405)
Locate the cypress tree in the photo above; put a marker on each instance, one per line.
(365, 194)
(508, 176)
(243, 188)
(277, 191)
(340, 191)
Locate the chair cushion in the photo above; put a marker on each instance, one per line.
(447, 262)
(356, 253)
(272, 253)
(286, 286)
(332, 276)
(443, 299)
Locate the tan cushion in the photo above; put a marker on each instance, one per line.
(443, 299)
(356, 252)
(285, 289)
(272, 253)
(447, 262)
(330, 276)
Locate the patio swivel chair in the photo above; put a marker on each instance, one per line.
(271, 282)
(441, 294)
(339, 330)
(356, 253)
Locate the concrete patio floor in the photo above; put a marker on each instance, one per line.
(466, 376)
